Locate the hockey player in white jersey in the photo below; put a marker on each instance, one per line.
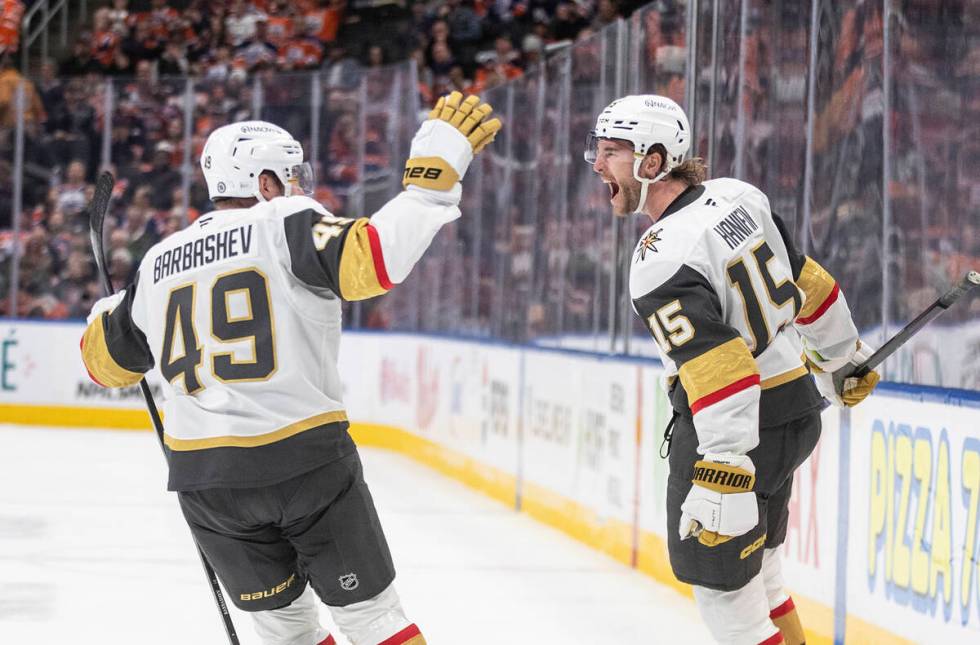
(241, 312)
(734, 307)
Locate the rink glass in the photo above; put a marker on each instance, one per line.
(859, 123)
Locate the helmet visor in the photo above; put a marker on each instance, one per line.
(301, 179)
(591, 147)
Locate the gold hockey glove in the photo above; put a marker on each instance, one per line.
(444, 146)
(841, 387)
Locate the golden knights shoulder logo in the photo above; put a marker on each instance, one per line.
(647, 244)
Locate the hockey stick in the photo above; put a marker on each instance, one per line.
(97, 212)
(945, 301)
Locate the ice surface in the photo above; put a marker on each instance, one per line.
(94, 550)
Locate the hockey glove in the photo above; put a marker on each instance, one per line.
(444, 146)
(721, 504)
(840, 387)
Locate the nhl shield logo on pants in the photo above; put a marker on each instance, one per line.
(348, 582)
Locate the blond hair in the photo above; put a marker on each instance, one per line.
(692, 172)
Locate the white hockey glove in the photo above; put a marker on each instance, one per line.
(102, 305)
(444, 146)
(721, 504)
(839, 386)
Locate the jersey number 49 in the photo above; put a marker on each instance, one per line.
(251, 321)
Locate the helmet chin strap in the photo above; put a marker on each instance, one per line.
(644, 182)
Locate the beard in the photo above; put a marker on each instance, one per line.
(628, 199)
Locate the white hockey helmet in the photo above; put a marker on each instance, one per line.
(644, 120)
(234, 156)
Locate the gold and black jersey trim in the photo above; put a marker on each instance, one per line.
(780, 401)
(699, 303)
(713, 360)
(719, 373)
(342, 255)
(254, 441)
(114, 350)
(296, 449)
(821, 291)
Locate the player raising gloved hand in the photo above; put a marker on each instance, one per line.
(241, 311)
(444, 146)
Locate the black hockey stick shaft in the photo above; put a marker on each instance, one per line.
(970, 281)
(97, 212)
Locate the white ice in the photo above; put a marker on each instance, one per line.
(93, 550)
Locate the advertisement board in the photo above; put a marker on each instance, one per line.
(913, 530)
(884, 531)
(43, 380)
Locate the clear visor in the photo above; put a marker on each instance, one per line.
(591, 147)
(301, 179)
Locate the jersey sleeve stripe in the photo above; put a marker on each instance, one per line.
(378, 256)
(99, 363)
(359, 275)
(820, 289)
(724, 393)
(717, 370)
(822, 309)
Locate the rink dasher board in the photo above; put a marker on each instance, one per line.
(572, 439)
(43, 380)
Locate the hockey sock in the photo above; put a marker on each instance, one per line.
(786, 618)
(738, 617)
(294, 624)
(378, 621)
(408, 636)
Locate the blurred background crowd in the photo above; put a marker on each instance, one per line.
(880, 185)
(146, 48)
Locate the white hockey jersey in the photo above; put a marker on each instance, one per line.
(724, 292)
(241, 311)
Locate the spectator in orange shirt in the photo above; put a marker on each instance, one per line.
(10, 78)
(105, 40)
(281, 25)
(11, 12)
(498, 66)
(159, 19)
(303, 51)
(324, 21)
